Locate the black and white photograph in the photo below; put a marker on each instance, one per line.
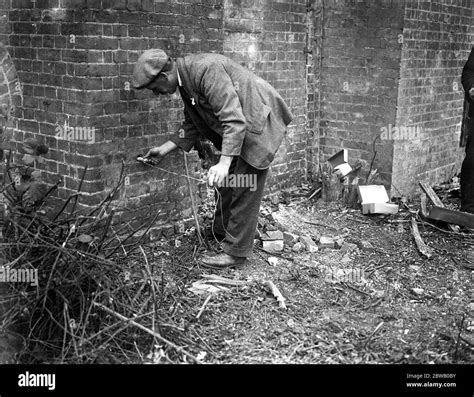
(268, 192)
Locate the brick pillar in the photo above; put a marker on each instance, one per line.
(437, 40)
(269, 37)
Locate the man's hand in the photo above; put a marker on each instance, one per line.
(219, 172)
(162, 150)
(471, 93)
(154, 152)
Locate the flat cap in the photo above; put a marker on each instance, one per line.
(148, 66)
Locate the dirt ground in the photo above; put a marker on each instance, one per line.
(385, 302)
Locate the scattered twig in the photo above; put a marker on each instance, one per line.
(422, 247)
(204, 306)
(320, 224)
(212, 278)
(149, 331)
(313, 194)
(373, 333)
(355, 289)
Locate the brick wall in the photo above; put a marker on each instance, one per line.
(438, 37)
(314, 48)
(269, 37)
(75, 59)
(337, 64)
(360, 65)
(9, 95)
(9, 99)
(394, 64)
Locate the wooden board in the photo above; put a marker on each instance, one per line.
(431, 194)
(452, 216)
(436, 201)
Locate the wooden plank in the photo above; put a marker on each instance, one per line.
(436, 201)
(422, 247)
(431, 194)
(424, 210)
(452, 216)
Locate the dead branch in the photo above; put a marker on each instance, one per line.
(149, 331)
(422, 247)
(204, 306)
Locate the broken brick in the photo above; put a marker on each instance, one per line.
(309, 244)
(326, 242)
(338, 242)
(290, 238)
(348, 247)
(272, 235)
(273, 246)
(298, 247)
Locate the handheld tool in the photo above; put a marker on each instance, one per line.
(148, 160)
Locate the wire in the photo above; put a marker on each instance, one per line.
(171, 172)
(218, 199)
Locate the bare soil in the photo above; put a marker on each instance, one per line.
(397, 307)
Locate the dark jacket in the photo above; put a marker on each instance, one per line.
(239, 112)
(467, 80)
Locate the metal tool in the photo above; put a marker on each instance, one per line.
(148, 160)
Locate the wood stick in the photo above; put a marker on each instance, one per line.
(373, 333)
(193, 204)
(422, 247)
(314, 194)
(276, 293)
(212, 278)
(204, 306)
(424, 210)
(149, 331)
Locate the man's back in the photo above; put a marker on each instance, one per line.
(214, 80)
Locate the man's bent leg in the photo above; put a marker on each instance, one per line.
(244, 210)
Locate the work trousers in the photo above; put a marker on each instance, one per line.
(467, 174)
(237, 208)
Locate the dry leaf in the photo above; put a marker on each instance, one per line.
(202, 288)
(85, 238)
